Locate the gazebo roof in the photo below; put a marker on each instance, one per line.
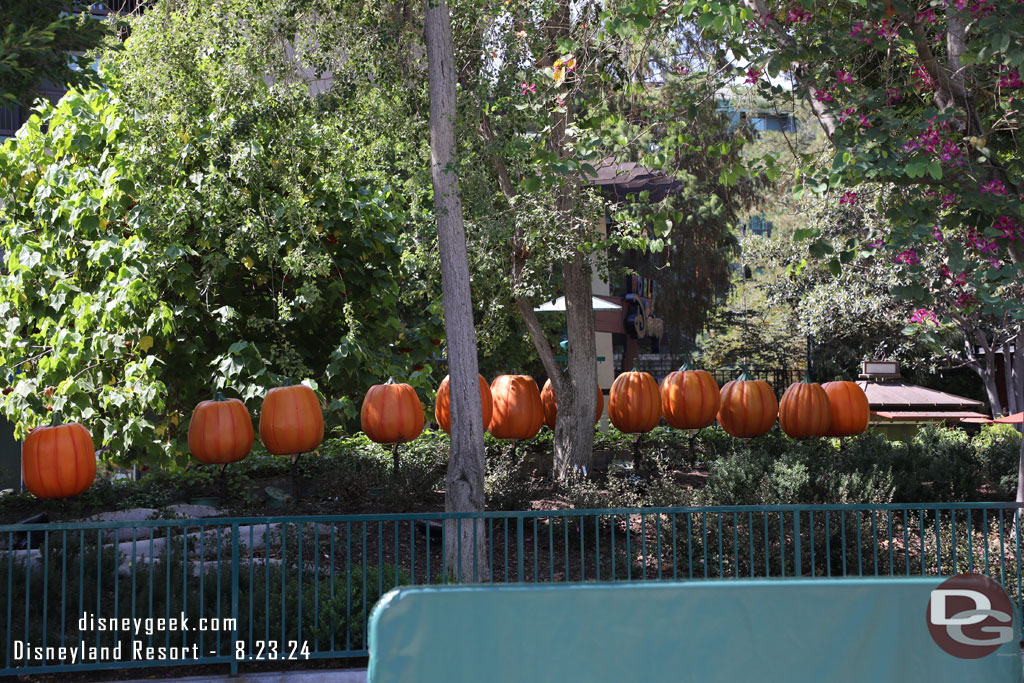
(900, 396)
(618, 181)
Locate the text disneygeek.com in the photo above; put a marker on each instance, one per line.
(135, 642)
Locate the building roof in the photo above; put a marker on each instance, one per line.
(619, 180)
(900, 396)
(964, 415)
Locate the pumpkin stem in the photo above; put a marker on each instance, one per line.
(686, 364)
(391, 380)
(745, 375)
(219, 396)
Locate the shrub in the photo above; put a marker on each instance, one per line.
(997, 448)
(506, 483)
(948, 464)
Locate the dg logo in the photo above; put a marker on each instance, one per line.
(970, 616)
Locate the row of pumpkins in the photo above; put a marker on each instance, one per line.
(513, 408)
(59, 461)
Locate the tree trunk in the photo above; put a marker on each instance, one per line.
(577, 403)
(1009, 380)
(1018, 389)
(465, 540)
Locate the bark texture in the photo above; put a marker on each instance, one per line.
(577, 403)
(466, 539)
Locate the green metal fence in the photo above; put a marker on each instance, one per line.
(294, 588)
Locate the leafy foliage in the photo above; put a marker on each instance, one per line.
(43, 41)
(146, 270)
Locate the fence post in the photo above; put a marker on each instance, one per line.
(796, 543)
(234, 599)
(520, 559)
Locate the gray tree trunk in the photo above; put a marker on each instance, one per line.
(465, 540)
(577, 402)
(1017, 378)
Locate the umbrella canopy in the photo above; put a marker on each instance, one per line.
(1015, 419)
(558, 305)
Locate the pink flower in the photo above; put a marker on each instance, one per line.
(948, 200)
(995, 186)
(894, 95)
(951, 154)
(923, 78)
(752, 76)
(823, 96)
(798, 15)
(981, 9)
(864, 123)
(1011, 80)
(926, 16)
(1008, 227)
(937, 233)
(528, 87)
(909, 257)
(843, 77)
(923, 315)
(874, 244)
(886, 29)
(681, 70)
(848, 198)
(964, 300)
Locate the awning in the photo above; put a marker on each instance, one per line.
(558, 305)
(1015, 419)
(962, 415)
(902, 396)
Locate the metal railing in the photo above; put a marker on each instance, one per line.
(288, 588)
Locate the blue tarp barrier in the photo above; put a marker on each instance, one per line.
(830, 630)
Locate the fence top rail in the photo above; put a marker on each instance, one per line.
(501, 515)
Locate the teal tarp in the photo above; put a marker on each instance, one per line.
(832, 630)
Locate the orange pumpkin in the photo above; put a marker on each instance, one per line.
(550, 403)
(518, 412)
(392, 413)
(747, 407)
(220, 431)
(689, 398)
(634, 402)
(442, 405)
(849, 409)
(58, 461)
(804, 410)
(291, 421)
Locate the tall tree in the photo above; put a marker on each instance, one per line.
(923, 97)
(40, 40)
(554, 90)
(464, 490)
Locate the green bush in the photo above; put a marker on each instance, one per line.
(997, 448)
(948, 465)
(507, 485)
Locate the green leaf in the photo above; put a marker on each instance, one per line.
(531, 183)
